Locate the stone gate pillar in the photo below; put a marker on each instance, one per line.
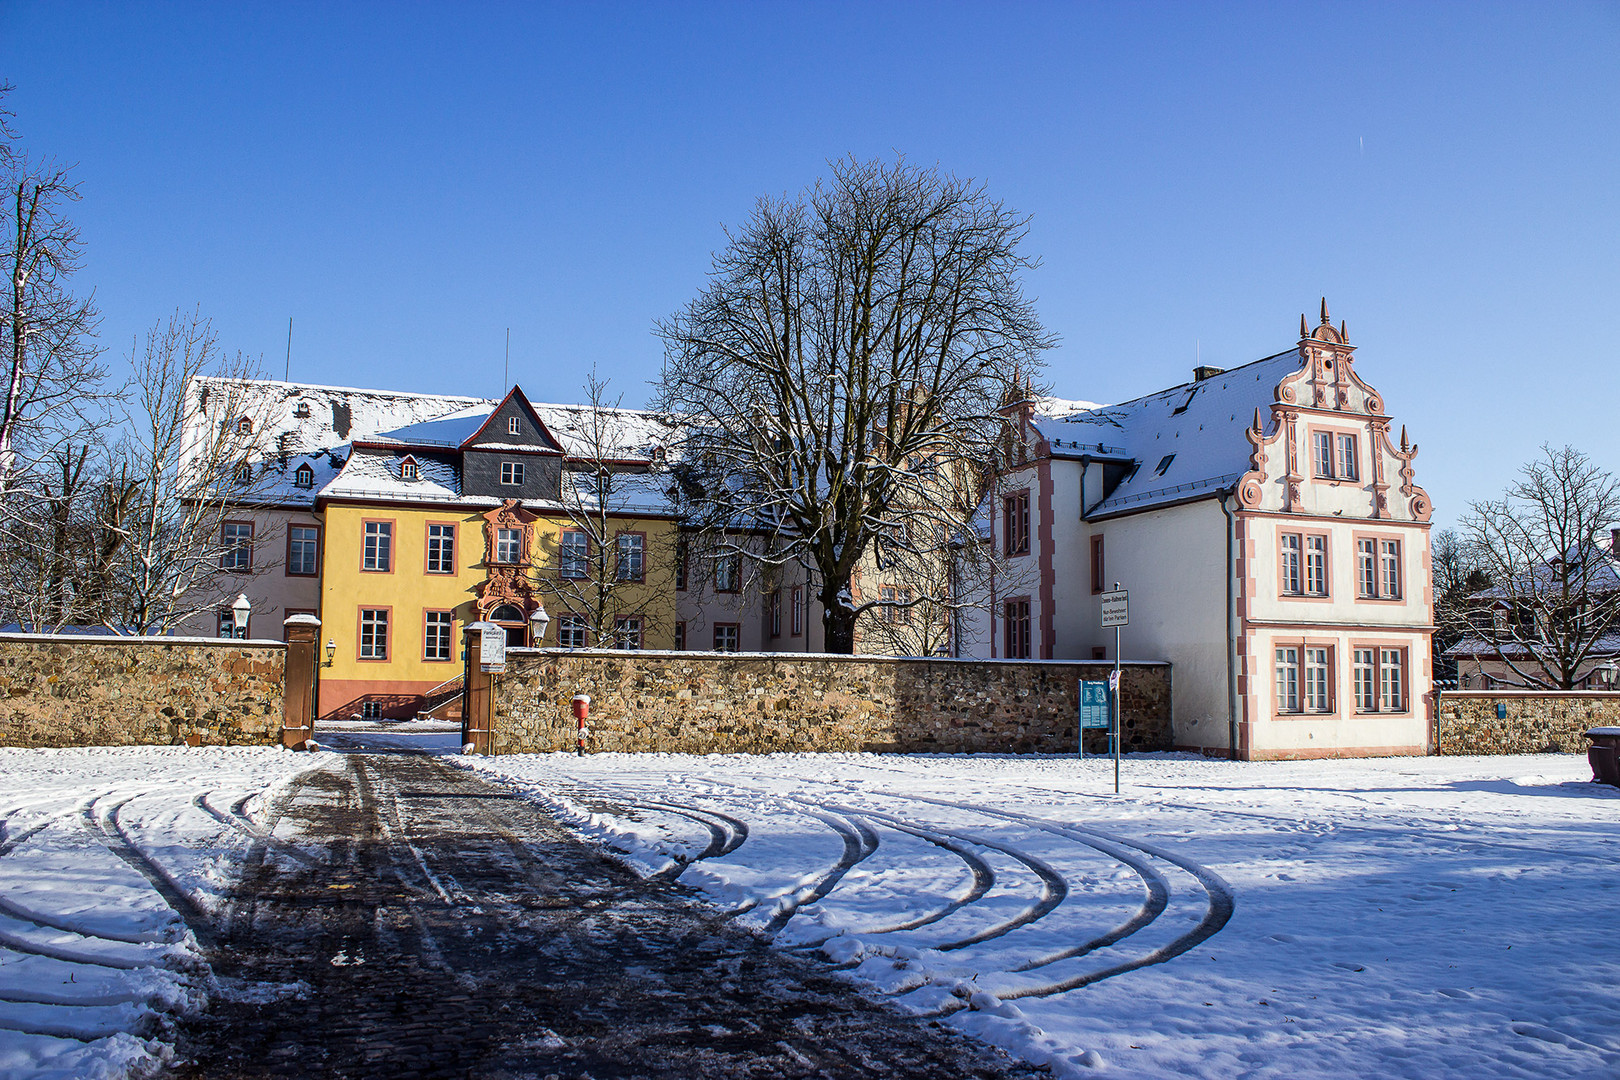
(298, 693)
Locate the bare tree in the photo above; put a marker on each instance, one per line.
(183, 466)
(620, 580)
(53, 377)
(841, 376)
(1555, 578)
(1458, 577)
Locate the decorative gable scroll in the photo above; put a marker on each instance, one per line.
(506, 583)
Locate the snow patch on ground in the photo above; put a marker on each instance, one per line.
(1405, 917)
(95, 845)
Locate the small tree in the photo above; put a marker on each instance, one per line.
(183, 470)
(1546, 548)
(1458, 576)
(603, 484)
(841, 377)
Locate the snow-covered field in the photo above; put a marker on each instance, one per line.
(1440, 917)
(101, 853)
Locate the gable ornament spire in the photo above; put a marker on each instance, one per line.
(1326, 319)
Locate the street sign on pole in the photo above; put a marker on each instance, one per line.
(492, 648)
(1115, 610)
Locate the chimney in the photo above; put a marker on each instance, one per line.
(1205, 371)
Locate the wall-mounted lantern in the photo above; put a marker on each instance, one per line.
(331, 650)
(538, 623)
(240, 610)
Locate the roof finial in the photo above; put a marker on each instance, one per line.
(1403, 438)
(1325, 320)
(1343, 337)
(1259, 424)
(1304, 331)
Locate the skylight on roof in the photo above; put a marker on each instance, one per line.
(1164, 463)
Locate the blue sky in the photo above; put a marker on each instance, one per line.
(407, 182)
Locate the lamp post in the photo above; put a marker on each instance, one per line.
(1606, 672)
(538, 623)
(240, 610)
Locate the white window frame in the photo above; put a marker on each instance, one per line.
(236, 541)
(374, 633)
(727, 637)
(631, 563)
(1287, 657)
(1389, 569)
(297, 548)
(1322, 454)
(441, 548)
(1348, 467)
(573, 632)
(1289, 547)
(508, 545)
(574, 554)
(1317, 681)
(438, 635)
(627, 630)
(1366, 679)
(512, 473)
(512, 425)
(1392, 689)
(377, 549)
(1316, 565)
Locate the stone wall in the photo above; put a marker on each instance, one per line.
(116, 691)
(706, 703)
(1537, 721)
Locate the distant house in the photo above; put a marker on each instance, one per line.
(1271, 536)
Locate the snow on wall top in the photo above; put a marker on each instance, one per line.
(1186, 441)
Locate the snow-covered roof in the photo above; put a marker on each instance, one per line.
(1186, 441)
(1474, 645)
(450, 431)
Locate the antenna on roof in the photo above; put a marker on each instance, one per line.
(506, 372)
(286, 376)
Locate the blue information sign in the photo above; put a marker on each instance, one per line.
(1093, 704)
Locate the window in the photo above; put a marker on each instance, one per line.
(1392, 680)
(680, 636)
(1288, 680)
(304, 477)
(408, 470)
(1347, 457)
(512, 472)
(1367, 568)
(1389, 569)
(1322, 456)
(631, 564)
(572, 632)
(1098, 577)
(236, 540)
(574, 549)
(893, 601)
(1316, 582)
(1366, 680)
(303, 550)
(225, 624)
(725, 637)
(1317, 681)
(508, 545)
(725, 573)
(627, 632)
(1164, 463)
(1016, 629)
(1015, 523)
(682, 554)
(244, 473)
(374, 633)
(773, 609)
(301, 410)
(244, 426)
(441, 549)
(378, 553)
(371, 710)
(1292, 582)
(437, 636)
(797, 614)
(511, 425)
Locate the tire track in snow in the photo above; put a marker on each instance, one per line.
(107, 827)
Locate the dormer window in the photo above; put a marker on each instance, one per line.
(301, 410)
(244, 473)
(408, 470)
(304, 477)
(512, 473)
(244, 426)
(511, 425)
(659, 454)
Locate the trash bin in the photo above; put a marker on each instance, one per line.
(1604, 754)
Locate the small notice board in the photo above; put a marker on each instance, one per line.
(492, 649)
(1115, 609)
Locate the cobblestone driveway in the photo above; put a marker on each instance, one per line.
(437, 926)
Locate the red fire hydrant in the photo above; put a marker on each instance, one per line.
(582, 713)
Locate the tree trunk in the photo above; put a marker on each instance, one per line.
(837, 621)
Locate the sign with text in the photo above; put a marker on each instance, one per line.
(1093, 704)
(1114, 610)
(492, 649)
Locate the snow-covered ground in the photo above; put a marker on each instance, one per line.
(1410, 917)
(101, 853)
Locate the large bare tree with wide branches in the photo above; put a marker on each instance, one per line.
(843, 375)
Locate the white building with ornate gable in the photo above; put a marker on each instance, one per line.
(1271, 536)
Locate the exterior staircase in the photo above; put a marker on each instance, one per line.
(443, 702)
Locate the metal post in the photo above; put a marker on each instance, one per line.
(1119, 720)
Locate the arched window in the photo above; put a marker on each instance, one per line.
(506, 613)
